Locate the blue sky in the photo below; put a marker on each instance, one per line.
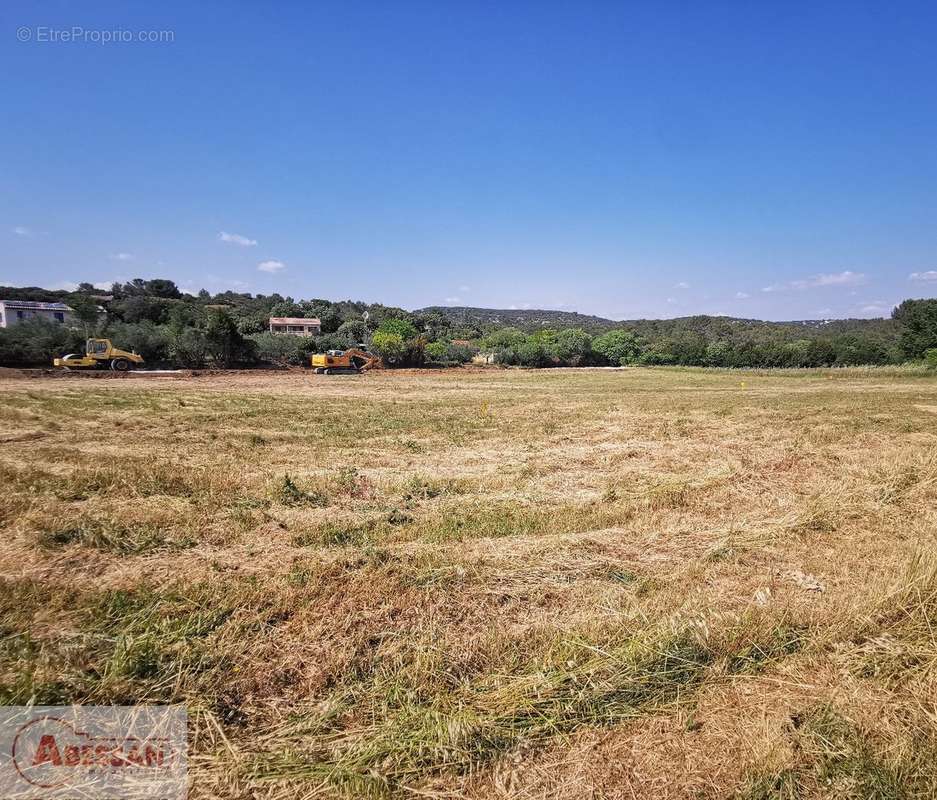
(770, 160)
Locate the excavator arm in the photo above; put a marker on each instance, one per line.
(363, 359)
(353, 360)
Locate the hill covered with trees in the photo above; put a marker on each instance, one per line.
(525, 319)
(169, 327)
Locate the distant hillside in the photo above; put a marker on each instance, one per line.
(525, 319)
(537, 319)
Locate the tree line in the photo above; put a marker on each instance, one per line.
(167, 327)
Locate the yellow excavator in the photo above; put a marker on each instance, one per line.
(99, 354)
(345, 362)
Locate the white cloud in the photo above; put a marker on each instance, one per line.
(877, 308)
(465, 289)
(122, 256)
(452, 301)
(22, 230)
(236, 238)
(741, 295)
(924, 277)
(682, 285)
(271, 266)
(845, 278)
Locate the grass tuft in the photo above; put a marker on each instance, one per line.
(290, 494)
(113, 536)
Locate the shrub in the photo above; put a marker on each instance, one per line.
(355, 331)
(389, 345)
(617, 347)
(188, 348)
(223, 340)
(436, 351)
(571, 347)
(149, 340)
(503, 339)
(918, 323)
(460, 353)
(38, 342)
(531, 354)
(281, 350)
(143, 309)
(399, 327)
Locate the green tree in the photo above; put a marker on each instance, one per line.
(718, 354)
(287, 308)
(434, 324)
(503, 338)
(86, 311)
(253, 322)
(278, 349)
(403, 328)
(149, 340)
(185, 315)
(572, 346)
(390, 346)
(659, 353)
(917, 320)
(853, 350)
(187, 348)
(689, 348)
(821, 353)
(531, 353)
(138, 308)
(223, 340)
(355, 331)
(162, 287)
(460, 353)
(134, 288)
(618, 347)
(37, 342)
(436, 350)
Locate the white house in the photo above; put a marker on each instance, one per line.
(13, 312)
(296, 326)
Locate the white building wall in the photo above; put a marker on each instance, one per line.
(14, 316)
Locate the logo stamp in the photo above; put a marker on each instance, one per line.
(93, 752)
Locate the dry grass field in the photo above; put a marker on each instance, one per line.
(487, 584)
